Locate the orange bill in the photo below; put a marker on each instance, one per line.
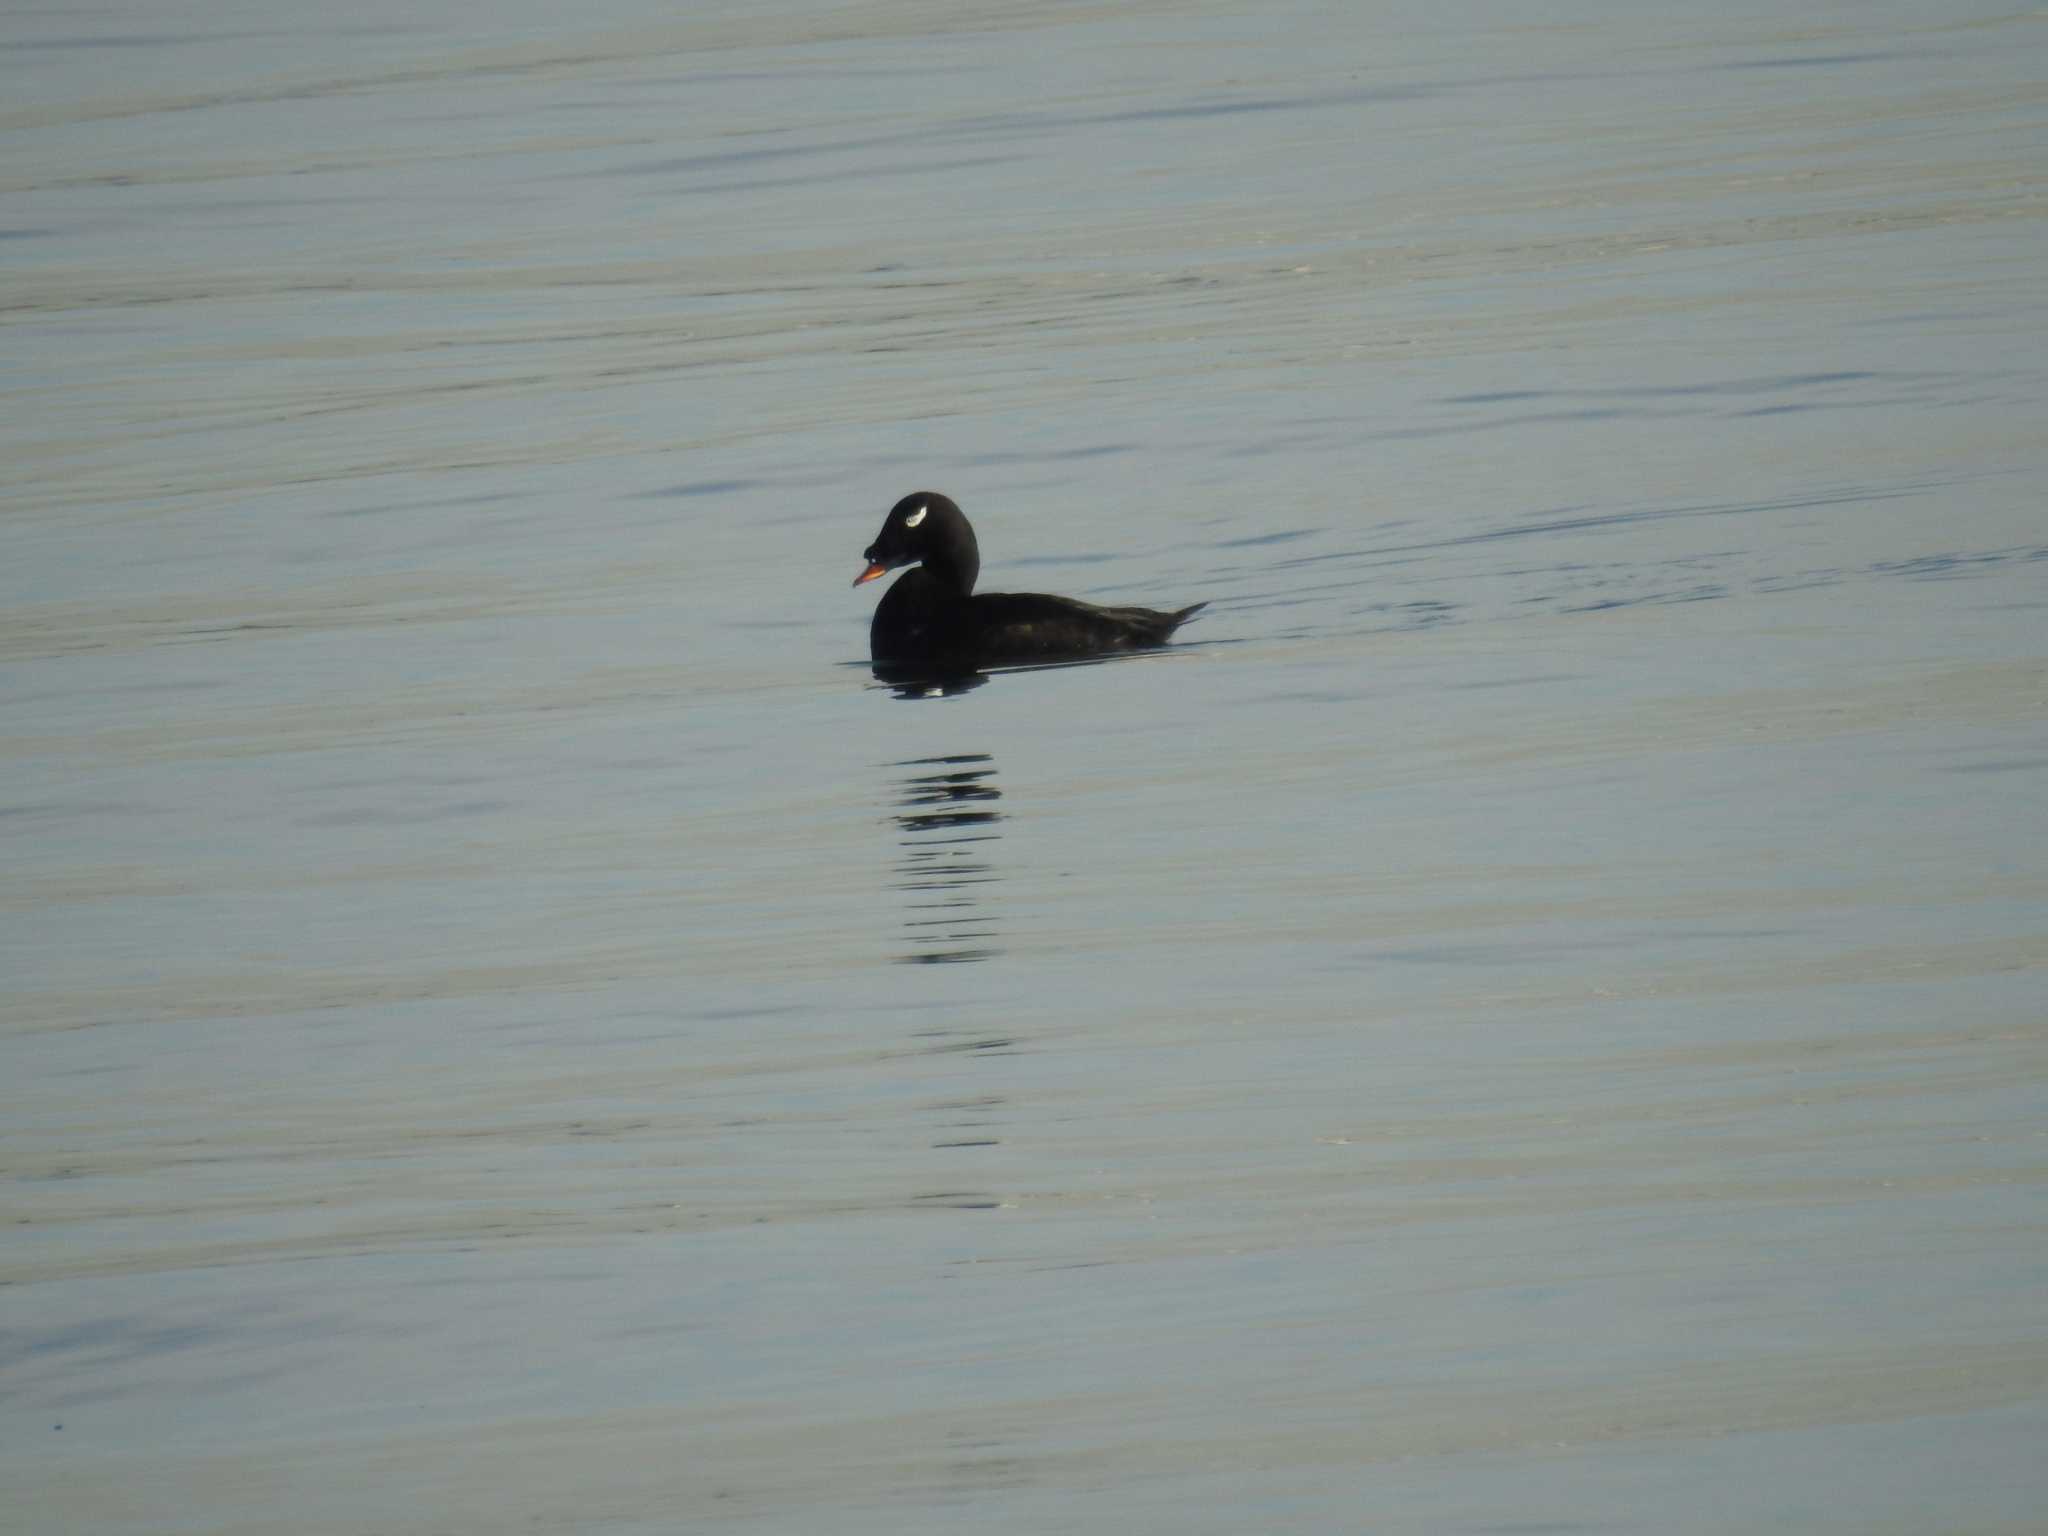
(875, 568)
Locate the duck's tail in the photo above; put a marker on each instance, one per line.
(1118, 629)
(1151, 627)
(1172, 621)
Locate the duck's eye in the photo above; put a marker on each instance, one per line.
(916, 517)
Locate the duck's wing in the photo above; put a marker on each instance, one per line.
(1039, 624)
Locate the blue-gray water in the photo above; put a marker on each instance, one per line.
(1530, 1019)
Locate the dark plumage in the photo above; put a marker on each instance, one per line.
(932, 616)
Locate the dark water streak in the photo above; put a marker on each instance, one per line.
(949, 823)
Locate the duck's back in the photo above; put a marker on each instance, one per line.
(1037, 626)
(920, 619)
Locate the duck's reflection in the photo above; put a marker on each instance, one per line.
(913, 683)
(948, 816)
(932, 683)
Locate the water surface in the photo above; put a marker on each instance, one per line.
(1532, 1016)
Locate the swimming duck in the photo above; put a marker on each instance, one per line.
(933, 617)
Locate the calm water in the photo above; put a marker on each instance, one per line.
(1531, 1019)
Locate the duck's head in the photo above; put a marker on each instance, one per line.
(927, 529)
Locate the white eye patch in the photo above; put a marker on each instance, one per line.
(916, 517)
